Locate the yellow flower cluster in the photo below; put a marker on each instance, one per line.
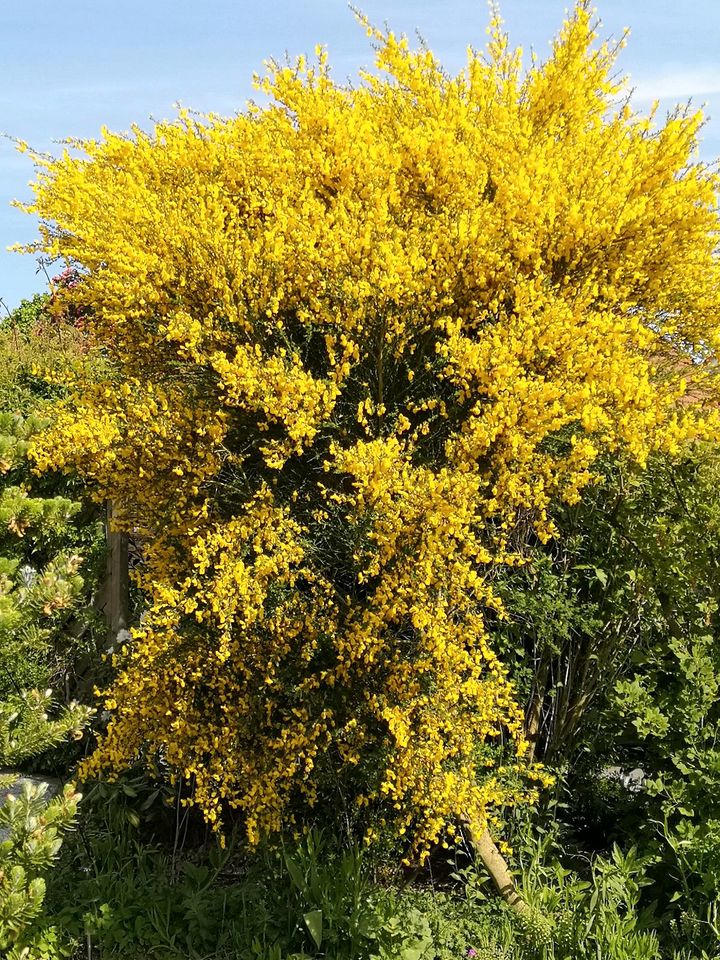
(354, 339)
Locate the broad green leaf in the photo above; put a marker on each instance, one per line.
(314, 922)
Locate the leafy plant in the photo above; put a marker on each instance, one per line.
(31, 827)
(304, 901)
(43, 549)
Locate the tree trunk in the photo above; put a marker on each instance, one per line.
(534, 713)
(494, 862)
(117, 600)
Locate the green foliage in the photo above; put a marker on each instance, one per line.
(663, 713)
(33, 605)
(43, 540)
(25, 317)
(598, 914)
(26, 729)
(133, 900)
(15, 434)
(37, 354)
(42, 627)
(31, 827)
(342, 914)
(615, 635)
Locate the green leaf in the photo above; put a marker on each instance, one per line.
(296, 874)
(314, 922)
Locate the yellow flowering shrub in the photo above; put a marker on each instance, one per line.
(359, 339)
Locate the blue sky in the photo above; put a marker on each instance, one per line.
(69, 68)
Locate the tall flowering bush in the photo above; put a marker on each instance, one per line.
(361, 338)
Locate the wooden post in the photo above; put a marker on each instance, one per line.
(117, 597)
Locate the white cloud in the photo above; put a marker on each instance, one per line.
(677, 83)
(90, 88)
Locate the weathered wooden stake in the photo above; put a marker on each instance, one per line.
(117, 597)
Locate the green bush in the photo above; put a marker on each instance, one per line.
(614, 634)
(45, 623)
(45, 615)
(31, 827)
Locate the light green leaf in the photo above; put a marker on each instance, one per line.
(314, 922)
